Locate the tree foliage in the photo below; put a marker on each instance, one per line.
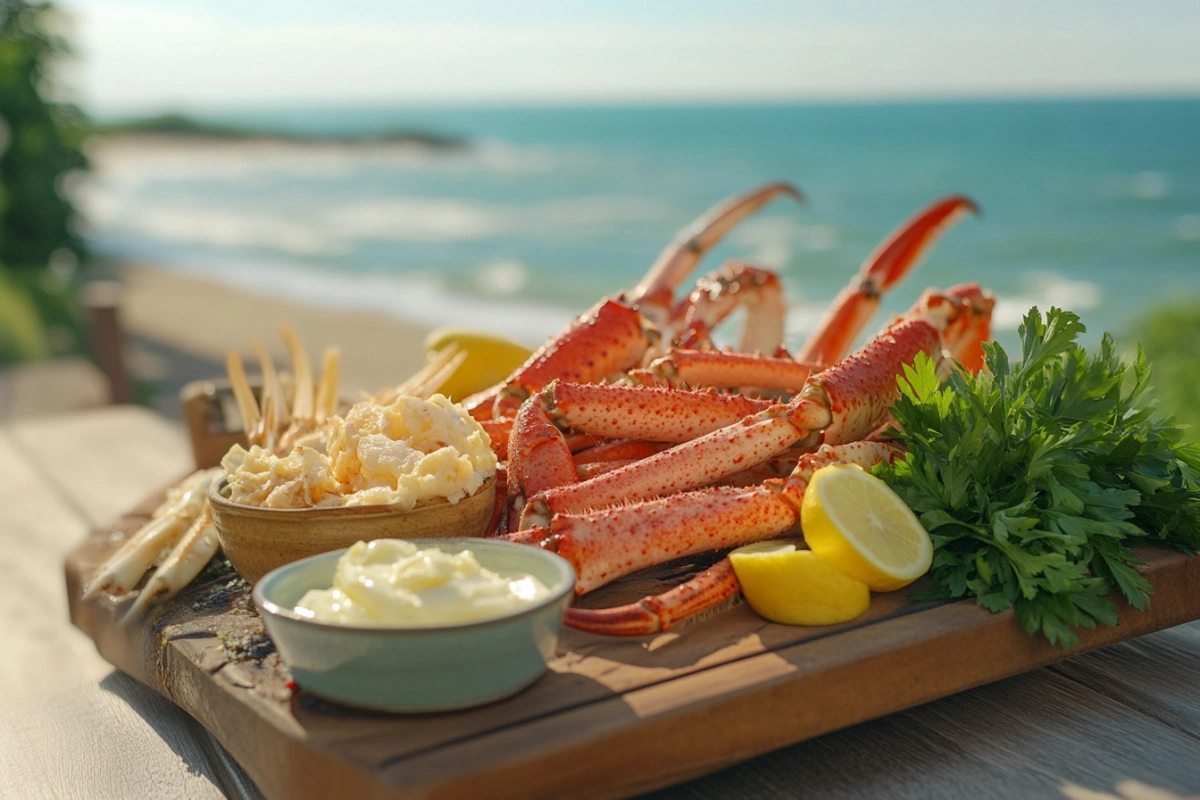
(40, 140)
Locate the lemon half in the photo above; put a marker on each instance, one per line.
(797, 587)
(857, 523)
(490, 359)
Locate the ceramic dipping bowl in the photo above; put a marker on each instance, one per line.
(419, 669)
(257, 540)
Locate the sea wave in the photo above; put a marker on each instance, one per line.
(315, 226)
(1044, 290)
(421, 298)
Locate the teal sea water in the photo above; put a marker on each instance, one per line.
(1090, 205)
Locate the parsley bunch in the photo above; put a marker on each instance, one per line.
(1034, 481)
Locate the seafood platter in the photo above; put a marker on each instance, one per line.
(641, 556)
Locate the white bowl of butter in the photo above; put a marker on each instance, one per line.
(419, 625)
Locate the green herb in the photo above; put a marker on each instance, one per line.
(1034, 481)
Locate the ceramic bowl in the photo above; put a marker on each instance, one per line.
(417, 669)
(257, 540)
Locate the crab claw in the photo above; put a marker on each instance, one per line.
(882, 270)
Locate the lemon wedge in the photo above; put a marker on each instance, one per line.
(490, 359)
(857, 523)
(797, 587)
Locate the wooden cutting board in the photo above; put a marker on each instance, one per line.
(611, 717)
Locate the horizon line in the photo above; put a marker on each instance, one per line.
(164, 106)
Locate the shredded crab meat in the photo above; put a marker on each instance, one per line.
(301, 479)
(402, 453)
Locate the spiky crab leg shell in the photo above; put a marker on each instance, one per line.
(644, 412)
(847, 402)
(716, 296)
(851, 399)
(655, 614)
(499, 431)
(965, 335)
(775, 507)
(589, 471)
(690, 465)
(726, 370)
(682, 255)
(539, 457)
(605, 545)
(882, 270)
(619, 450)
(608, 338)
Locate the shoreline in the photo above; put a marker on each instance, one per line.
(179, 327)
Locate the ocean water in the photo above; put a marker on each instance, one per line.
(1088, 205)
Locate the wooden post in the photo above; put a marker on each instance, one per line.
(102, 299)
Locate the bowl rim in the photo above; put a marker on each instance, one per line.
(268, 607)
(366, 509)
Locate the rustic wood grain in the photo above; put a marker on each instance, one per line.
(612, 717)
(73, 727)
(1028, 737)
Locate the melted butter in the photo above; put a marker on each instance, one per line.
(389, 582)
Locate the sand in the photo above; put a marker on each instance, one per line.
(179, 328)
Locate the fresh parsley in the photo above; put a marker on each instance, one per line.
(1035, 479)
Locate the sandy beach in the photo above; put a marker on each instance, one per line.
(179, 328)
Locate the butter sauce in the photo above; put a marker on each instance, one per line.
(390, 583)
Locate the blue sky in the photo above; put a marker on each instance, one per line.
(144, 55)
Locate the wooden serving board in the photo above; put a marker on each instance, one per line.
(611, 718)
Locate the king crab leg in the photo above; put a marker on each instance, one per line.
(721, 369)
(717, 295)
(617, 333)
(605, 545)
(882, 270)
(844, 403)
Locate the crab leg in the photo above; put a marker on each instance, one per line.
(594, 468)
(965, 335)
(717, 295)
(539, 454)
(712, 587)
(642, 412)
(683, 254)
(538, 458)
(618, 450)
(882, 270)
(125, 568)
(606, 339)
(722, 369)
(498, 431)
(846, 402)
(604, 546)
(615, 335)
(197, 547)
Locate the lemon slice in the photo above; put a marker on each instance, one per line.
(797, 587)
(857, 523)
(490, 359)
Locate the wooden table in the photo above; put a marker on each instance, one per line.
(74, 727)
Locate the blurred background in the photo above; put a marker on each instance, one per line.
(373, 170)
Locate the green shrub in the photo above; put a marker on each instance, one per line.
(1171, 338)
(22, 335)
(40, 140)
